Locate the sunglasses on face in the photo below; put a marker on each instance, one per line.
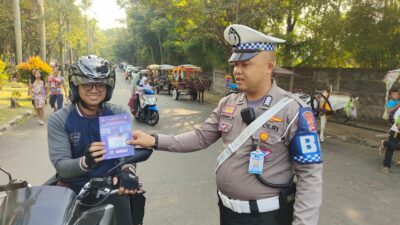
(89, 86)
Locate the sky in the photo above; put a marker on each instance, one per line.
(106, 13)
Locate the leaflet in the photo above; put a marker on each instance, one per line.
(115, 131)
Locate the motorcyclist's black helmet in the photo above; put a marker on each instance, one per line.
(88, 69)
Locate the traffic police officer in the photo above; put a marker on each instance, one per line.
(288, 141)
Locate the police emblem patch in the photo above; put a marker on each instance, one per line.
(234, 38)
(229, 109)
(268, 100)
(309, 118)
(224, 127)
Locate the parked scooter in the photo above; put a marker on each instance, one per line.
(55, 205)
(147, 108)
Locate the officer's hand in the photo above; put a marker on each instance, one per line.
(94, 154)
(127, 181)
(142, 139)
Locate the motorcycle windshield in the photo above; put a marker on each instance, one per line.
(44, 205)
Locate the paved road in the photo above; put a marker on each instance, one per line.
(181, 188)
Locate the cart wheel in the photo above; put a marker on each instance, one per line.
(175, 94)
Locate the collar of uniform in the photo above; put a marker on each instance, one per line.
(274, 93)
(241, 98)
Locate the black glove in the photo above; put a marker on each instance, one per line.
(89, 159)
(127, 179)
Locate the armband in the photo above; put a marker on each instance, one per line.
(305, 147)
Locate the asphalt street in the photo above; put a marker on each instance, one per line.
(181, 188)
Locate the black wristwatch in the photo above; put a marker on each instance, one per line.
(156, 141)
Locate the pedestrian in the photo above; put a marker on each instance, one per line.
(392, 144)
(38, 91)
(56, 82)
(391, 107)
(135, 79)
(74, 142)
(254, 173)
(393, 103)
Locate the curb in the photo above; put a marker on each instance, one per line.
(15, 121)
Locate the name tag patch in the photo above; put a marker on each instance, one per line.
(226, 117)
(272, 127)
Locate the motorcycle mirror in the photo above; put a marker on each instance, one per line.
(12, 184)
(141, 154)
(6, 172)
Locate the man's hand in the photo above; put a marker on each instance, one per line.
(94, 154)
(128, 183)
(142, 139)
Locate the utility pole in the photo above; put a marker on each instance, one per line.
(42, 31)
(17, 29)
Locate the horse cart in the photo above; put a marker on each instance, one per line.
(184, 81)
(163, 78)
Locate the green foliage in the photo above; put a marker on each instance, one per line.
(318, 33)
(3, 76)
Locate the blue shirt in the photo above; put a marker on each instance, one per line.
(392, 103)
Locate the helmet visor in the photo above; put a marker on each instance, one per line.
(77, 80)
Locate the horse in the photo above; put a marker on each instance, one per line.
(324, 103)
(201, 85)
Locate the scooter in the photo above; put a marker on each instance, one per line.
(22, 204)
(147, 109)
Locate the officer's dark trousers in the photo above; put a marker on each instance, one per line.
(228, 217)
(392, 144)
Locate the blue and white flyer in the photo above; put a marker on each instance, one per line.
(115, 131)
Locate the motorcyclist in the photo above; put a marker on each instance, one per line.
(75, 147)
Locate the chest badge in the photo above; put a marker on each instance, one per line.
(263, 136)
(229, 109)
(275, 119)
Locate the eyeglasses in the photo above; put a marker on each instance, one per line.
(89, 86)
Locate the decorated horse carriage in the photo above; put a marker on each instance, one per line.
(163, 78)
(184, 81)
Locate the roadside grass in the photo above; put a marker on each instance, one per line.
(7, 113)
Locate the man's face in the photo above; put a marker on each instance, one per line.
(253, 74)
(92, 93)
(395, 95)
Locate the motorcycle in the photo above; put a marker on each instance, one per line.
(146, 111)
(23, 204)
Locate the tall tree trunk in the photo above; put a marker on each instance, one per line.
(159, 44)
(42, 31)
(17, 28)
(152, 54)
